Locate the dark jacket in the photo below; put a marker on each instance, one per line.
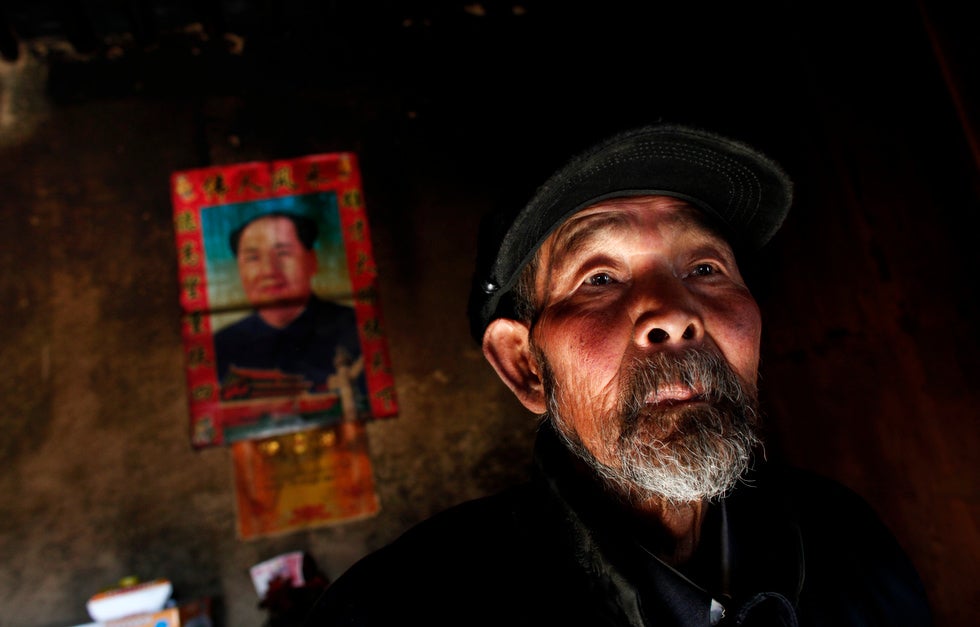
(307, 346)
(785, 548)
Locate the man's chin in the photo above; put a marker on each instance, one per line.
(686, 454)
(665, 423)
(278, 301)
(683, 453)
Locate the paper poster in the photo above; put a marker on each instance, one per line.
(281, 321)
(304, 479)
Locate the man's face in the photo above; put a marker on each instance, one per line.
(273, 264)
(648, 342)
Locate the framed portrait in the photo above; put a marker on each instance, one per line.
(280, 315)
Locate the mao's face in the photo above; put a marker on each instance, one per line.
(632, 279)
(273, 264)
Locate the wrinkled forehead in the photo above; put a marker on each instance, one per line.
(623, 215)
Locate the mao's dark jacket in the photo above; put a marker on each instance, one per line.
(785, 548)
(307, 346)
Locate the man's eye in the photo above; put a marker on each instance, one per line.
(599, 279)
(704, 269)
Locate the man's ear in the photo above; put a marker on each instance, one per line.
(506, 345)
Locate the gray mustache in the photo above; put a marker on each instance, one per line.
(701, 370)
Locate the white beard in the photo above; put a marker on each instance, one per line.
(686, 453)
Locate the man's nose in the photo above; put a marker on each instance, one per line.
(666, 313)
(270, 263)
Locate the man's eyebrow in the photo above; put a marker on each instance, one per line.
(573, 237)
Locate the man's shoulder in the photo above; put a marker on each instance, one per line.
(818, 503)
(480, 527)
(855, 568)
(331, 319)
(245, 326)
(330, 308)
(479, 554)
(826, 513)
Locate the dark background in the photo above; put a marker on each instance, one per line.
(869, 294)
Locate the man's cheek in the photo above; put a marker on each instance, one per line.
(594, 340)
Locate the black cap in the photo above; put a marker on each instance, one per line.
(747, 193)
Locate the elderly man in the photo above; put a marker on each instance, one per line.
(614, 306)
(292, 341)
